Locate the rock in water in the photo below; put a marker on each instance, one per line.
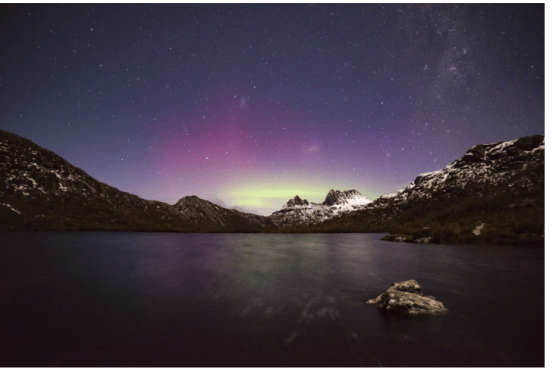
(406, 298)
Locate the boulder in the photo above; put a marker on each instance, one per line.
(406, 298)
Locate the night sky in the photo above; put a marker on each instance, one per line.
(250, 105)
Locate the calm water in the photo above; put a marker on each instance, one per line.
(146, 299)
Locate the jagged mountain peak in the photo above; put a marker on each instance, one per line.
(298, 211)
(335, 197)
(296, 201)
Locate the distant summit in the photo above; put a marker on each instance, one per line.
(297, 211)
(296, 201)
(352, 197)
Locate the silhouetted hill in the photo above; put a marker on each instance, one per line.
(39, 190)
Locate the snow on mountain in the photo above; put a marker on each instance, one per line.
(298, 211)
(350, 197)
(41, 190)
(493, 194)
(482, 166)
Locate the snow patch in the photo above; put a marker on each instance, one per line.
(358, 201)
(502, 146)
(430, 173)
(477, 230)
(10, 207)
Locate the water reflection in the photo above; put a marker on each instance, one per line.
(218, 300)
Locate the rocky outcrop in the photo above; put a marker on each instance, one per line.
(296, 201)
(406, 298)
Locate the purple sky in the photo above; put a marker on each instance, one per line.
(250, 105)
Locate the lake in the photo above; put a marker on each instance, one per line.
(167, 299)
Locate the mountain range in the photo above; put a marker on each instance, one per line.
(493, 194)
(299, 212)
(498, 186)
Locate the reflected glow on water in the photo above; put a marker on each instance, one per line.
(111, 299)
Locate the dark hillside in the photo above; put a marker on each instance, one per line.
(39, 190)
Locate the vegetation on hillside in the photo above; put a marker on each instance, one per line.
(512, 216)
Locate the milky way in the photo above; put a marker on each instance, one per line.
(250, 105)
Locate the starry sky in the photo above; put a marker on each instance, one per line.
(248, 105)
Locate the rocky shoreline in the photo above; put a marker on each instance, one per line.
(409, 238)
